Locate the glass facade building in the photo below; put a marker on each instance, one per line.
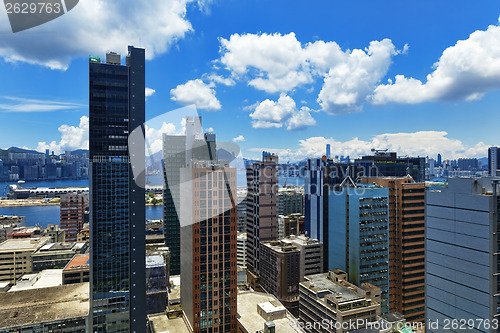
(117, 203)
(359, 236)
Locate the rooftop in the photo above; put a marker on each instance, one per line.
(45, 304)
(161, 324)
(342, 291)
(44, 279)
(79, 261)
(25, 244)
(280, 246)
(250, 318)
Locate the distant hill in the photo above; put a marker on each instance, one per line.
(80, 152)
(22, 150)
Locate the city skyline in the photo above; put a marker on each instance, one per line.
(249, 98)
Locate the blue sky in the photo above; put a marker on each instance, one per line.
(287, 76)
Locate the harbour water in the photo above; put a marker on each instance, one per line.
(43, 215)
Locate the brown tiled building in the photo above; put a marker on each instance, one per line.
(262, 212)
(208, 246)
(280, 272)
(406, 246)
(72, 212)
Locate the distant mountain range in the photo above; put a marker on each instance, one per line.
(78, 152)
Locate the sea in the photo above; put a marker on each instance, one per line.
(44, 215)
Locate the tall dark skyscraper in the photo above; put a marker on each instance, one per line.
(117, 204)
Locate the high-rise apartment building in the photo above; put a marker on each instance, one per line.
(262, 211)
(494, 161)
(462, 266)
(72, 214)
(117, 203)
(359, 235)
(208, 246)
(406, 245)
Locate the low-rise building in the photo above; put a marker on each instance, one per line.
(328, 303)
(84, 234)
(261, 312)
(15, 257)
(55, 255)
(76, 270)
(44, 279)
(61, 309)
(9, 223)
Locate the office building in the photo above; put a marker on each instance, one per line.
(72, 213)
(292, 224)
(406, 245)
(321, 177)
(77, 270)
(329, 303)
(15, 257)
(117, 196)
(242, 210)
(178, 152)
(280, 272)
(8, 224)
(242, 250)
(387, 164)
(208, 246)
(494, 161)
(261, 312)
(55, 255)
(359, 235)
(311, 254)
(262, 211)
(461, 254)
(290, 201)
(157, 276)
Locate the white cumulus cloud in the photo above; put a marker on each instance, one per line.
(422, 143)
(72, 137)
(465, 71)
(96, 26)
(239, 138)
(349, 82)
(280, 63)
(275, 114)
(196, 92)
(149, 92)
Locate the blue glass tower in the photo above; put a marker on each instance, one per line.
(359, 236)
(117, 204)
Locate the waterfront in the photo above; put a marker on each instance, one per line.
(43, 215)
